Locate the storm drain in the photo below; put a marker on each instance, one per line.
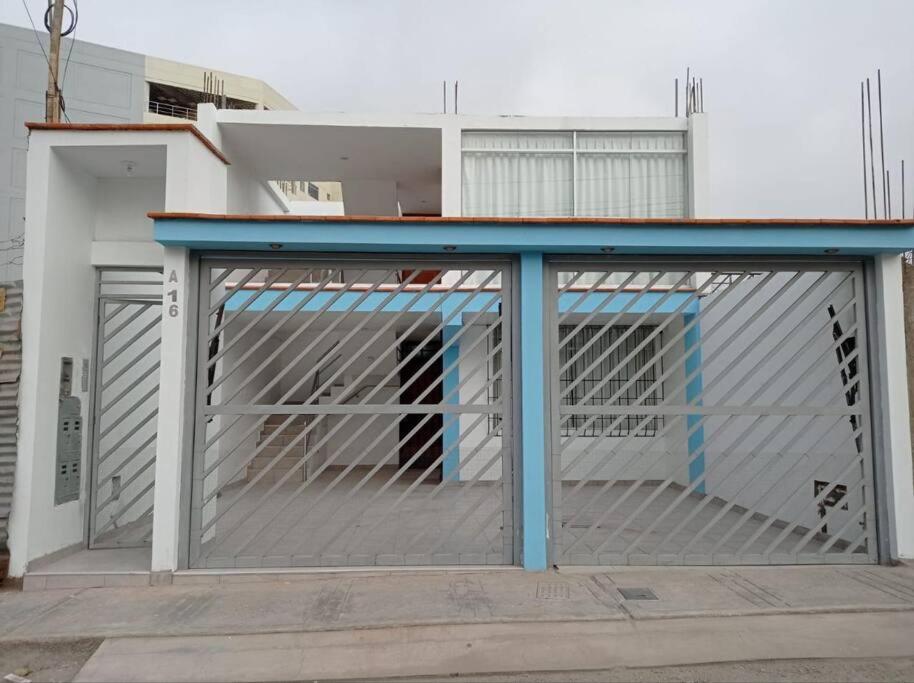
(553, 591)
(638, 594)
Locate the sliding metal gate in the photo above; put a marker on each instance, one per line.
(125, 406)
(709, 413)
(353, 412)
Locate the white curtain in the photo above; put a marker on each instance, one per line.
(614, 180)
(517, 174)
(533, 174)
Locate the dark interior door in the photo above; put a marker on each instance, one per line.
(427, 442)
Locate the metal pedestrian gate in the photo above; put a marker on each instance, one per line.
(125, 406)
(709, 413)
(354, 411)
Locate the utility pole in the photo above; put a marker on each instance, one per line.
(52, 96)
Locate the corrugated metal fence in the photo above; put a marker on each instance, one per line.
(10, 368)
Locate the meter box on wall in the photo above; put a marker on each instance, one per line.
(69, 438)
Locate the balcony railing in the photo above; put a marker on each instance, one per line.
(174, 110)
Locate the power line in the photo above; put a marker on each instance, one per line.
(72, 29)
(74, 19)
(37, 37)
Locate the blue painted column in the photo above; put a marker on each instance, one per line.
(451, 435)
(696, 444)
(533, 412)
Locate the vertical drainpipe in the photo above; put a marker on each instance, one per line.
(533, 412)
(696, 439)
(451, 436)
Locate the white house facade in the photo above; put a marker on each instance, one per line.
(516, 341)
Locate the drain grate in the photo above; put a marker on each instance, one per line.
(555, 590)
(638, 594)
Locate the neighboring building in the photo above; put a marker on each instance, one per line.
(103, 85)
(523, 343)
(173, 90)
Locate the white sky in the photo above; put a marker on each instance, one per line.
(781, 77)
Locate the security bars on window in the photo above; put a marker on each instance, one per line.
(607, 376)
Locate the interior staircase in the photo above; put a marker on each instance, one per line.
(292, 456)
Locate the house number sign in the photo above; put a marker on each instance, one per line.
(173, 295)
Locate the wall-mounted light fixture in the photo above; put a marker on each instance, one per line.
(832, 251)
(275, 245)
(607, 250)
(449, 247)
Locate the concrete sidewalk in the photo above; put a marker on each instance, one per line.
(499, 648)
(246, 603)
(421, 616)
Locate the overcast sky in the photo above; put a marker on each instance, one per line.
(781, 77)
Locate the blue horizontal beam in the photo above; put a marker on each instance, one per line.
(413, 303)
(512, 238)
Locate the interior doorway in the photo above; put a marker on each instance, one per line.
(420, 450)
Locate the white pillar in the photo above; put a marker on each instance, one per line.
(892, 407)
(450, 168)
(699, 167)
(175, 419)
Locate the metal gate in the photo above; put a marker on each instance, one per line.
(709, 413)
(125, 405)
(353, 412)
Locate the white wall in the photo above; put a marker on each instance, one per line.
(893, 405)
(318, 208)
(228, 447)
(698, 161)
(57, 321)
(749, 455)
(122, 205)
(196, 180)
(370, 198)
(249, 195)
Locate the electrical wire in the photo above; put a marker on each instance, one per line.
(66, 66)
(74, 18)
(37, 37)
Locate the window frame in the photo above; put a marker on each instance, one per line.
(575, 150)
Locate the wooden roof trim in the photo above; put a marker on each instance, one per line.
(134, 128)
(445, 220)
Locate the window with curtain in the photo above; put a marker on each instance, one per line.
(613, 174)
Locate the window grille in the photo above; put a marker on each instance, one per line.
(646, 359)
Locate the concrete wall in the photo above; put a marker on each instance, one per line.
(247, 194)
(122, 207)
(57, 321)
